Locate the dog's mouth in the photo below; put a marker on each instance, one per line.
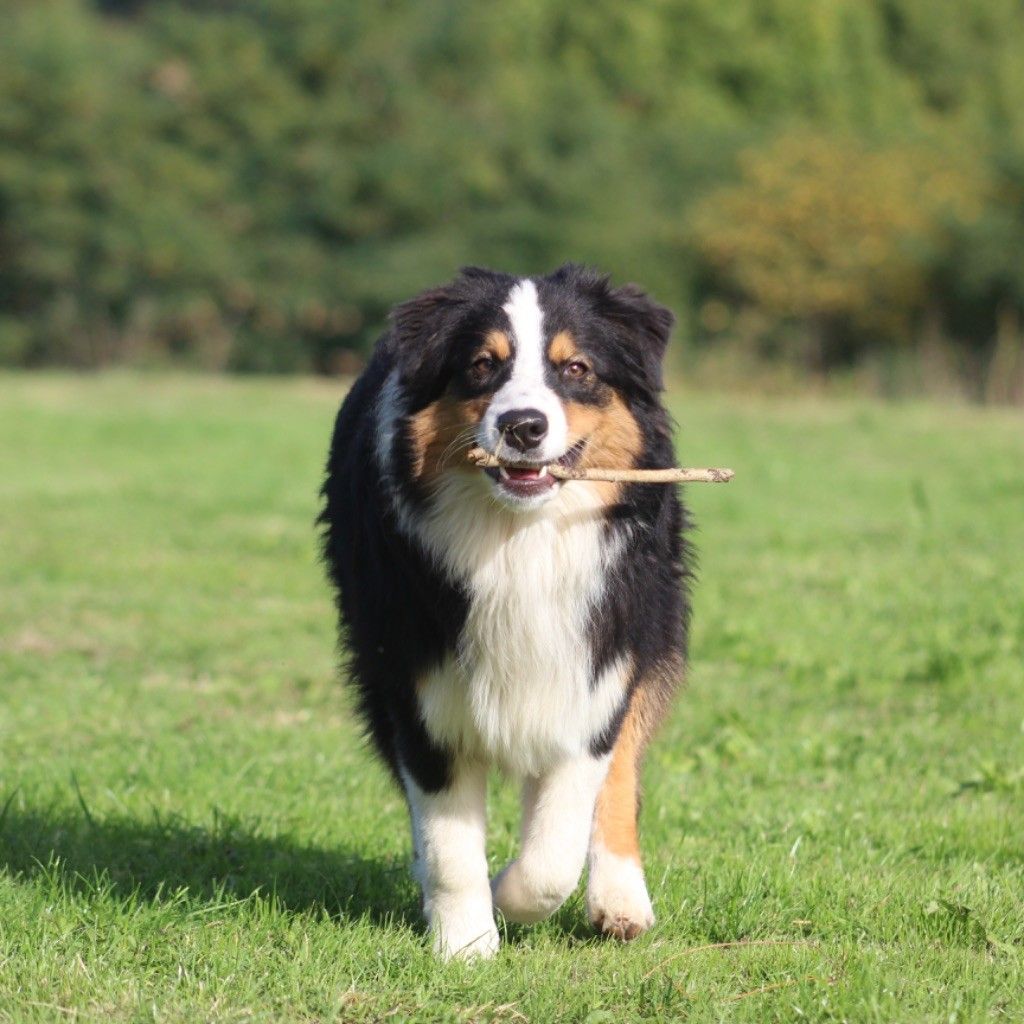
(530, 479)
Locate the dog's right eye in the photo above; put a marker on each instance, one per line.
(482, 366)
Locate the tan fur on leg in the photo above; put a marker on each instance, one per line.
(617, 901)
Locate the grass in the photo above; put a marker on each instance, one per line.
(191, 829)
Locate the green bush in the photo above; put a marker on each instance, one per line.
(251, 185)
(839, 236)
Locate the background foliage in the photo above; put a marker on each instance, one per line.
(251, 184)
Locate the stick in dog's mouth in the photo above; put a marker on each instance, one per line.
(673, 475)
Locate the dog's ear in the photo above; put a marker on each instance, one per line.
(642, 325)
(419, 329)
(647, 321)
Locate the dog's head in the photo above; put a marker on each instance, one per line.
(563, 368)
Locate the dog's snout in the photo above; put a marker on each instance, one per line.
(523, 429)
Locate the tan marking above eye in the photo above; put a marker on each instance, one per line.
(563, 348)
(496, 343)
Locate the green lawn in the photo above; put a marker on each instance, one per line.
(191, 828)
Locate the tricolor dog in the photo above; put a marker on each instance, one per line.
(500, 618)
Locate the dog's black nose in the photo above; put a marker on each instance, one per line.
(523, 428)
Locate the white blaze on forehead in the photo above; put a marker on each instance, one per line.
(527, 319)
(526, 388)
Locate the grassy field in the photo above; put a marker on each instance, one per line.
(191, 829)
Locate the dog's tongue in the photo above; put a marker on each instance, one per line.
(523, 473)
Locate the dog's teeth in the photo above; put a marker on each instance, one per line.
(543, 472)
(503, 472)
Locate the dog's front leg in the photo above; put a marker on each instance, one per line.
(558, 809)
(449, 834)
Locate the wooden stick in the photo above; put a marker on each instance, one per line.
(626, 476)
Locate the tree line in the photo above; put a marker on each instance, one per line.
(251, 185)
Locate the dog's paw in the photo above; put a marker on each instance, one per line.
(526, 892)
(466, 944)
(617, 901)
(463, 929)
(621, 926)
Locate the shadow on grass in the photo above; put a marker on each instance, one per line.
(227, 860)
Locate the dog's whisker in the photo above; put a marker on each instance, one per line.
(462, 442)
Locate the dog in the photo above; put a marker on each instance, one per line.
(501, 617)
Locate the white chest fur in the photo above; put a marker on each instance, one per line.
(519, 690)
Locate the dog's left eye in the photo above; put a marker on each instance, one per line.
(482, 366)
(575, 369)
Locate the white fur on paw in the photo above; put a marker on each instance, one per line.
(463, 928)
(617, 901)
(526, 895)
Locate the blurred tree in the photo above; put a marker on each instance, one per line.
(838, 235)
(252, 183)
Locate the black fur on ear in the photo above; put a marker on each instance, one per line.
(645, 324)
(418, 331)
(632, 307)
(422, 328)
